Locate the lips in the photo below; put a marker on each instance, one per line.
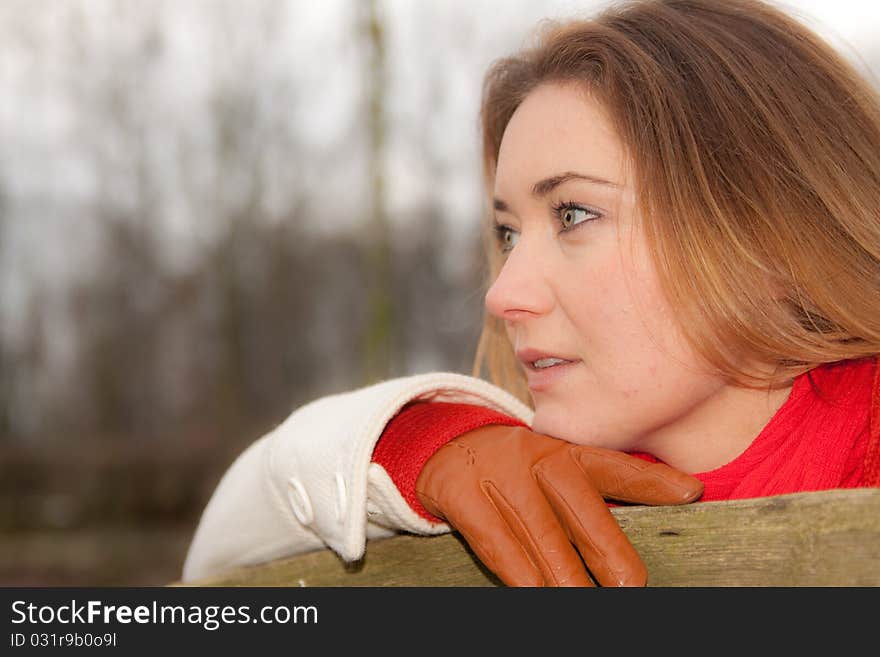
(544, 369)
(538, 359)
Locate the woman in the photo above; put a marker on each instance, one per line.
(684, 301)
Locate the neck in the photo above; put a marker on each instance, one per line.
(718, 430)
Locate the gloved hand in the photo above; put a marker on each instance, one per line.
(523, 501)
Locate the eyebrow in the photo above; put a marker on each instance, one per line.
(547, 185)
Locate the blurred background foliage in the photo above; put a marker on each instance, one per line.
(212, 212)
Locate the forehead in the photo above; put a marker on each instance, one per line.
(558, 128)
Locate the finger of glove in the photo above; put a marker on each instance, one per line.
(585, 515)
(491, 539)
(626, 478)
(530, 518)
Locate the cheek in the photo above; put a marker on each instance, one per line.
(619, 319)
(639, 372)
(638, 323)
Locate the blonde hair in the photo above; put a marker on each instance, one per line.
(756, 160)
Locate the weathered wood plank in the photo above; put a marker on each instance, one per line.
(828, 538)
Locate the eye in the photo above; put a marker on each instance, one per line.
(571, 215)
(506, 237)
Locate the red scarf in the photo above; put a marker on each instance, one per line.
(818, 439)
(826, 435)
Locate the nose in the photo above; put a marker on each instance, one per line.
(521, 289)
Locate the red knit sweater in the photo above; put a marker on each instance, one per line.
(826, 435)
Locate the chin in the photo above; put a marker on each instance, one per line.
(558, 425)
(577, 431)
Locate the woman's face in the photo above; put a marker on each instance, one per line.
(580, 299)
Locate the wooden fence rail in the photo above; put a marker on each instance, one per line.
(827, 538)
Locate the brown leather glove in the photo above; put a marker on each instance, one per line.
(521, 499)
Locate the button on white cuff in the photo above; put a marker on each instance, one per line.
(299, 501)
